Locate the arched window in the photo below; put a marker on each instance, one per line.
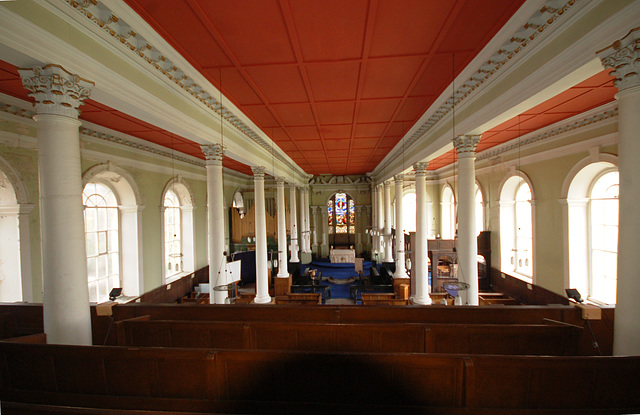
(10, 272)
(341, 219)
(178, 234)
(448, 228)
(172, 234)
(409, 212)
(479, 211)
(516, 227)
(591, 214)
(102, 237)
(603, 240)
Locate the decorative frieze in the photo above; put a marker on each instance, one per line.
(56, 90)
(623, 56)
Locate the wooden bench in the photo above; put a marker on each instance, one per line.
(229, 381)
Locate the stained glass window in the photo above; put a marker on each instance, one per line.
(352, 217)
(341, 214)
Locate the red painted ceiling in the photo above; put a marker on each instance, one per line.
(334, 83)
(591, 93)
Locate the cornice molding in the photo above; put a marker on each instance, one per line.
(549, 133)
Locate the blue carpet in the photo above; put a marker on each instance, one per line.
(336, 271)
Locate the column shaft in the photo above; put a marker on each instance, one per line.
(421, 255)
(388, 238)
(401, 271)
(294, 224)
(283, 271)
(262, 278)
(215, 216)
(467, 239)
(58, 94)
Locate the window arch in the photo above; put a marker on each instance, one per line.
(129, 210)
(479, 210)
(178, 246)
(448, 228)
(592, 223)
(102, 236)
(516, 226)
(15, 245)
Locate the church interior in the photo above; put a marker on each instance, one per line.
(286, 206)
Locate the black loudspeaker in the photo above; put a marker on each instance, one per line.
(116, 292)
(574, 294)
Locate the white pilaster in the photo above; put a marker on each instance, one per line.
(467, 240)
(388, 242)
(624, 57)
(380, 202)
(58, 95)
(262, 278)
(215, 215)
(374, 221)
(283, 271)
(420, 250)
(401, 271)
(294, 224)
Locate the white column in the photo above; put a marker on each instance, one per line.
(58, 95)
(358, 225)
(283, 271)
(380, 202)
(401, 271)
(467, 240)
(374, 221)
(624, 57)
(314, 227)
(294, 223)
(306, 229)
(388, 242)
(420, 250)
(325, 231)
(262, 278)
(215, 216)
(366, 224)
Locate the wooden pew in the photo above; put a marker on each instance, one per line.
(559, 340)
(227, 381)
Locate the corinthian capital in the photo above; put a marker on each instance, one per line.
(623, 56)
(420, 167)
(258, 172)
(466, 144)
(55, 90)
(213, 153)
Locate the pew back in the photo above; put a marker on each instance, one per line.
(201, 381)
(558, 340)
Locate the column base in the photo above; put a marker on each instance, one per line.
(262, 300)
(422, 300)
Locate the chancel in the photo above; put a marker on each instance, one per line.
(319, 207)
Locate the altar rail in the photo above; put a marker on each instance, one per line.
(509, 339)
(206, 381)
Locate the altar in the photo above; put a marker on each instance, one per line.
(340, 256)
